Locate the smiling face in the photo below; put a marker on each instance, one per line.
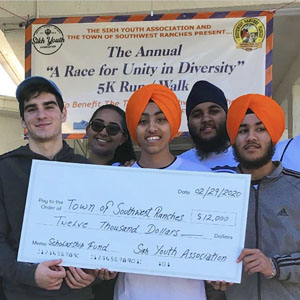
(207, 126)
(253, 146)
(153, 131)
(101, 143)
(43, 118)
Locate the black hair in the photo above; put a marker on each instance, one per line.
(125, 151)
(35, 90)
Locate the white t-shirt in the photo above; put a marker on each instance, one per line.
(131, 286)
(183, 164)
(221, 162)
(290, 158)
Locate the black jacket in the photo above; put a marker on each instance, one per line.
(18, 278)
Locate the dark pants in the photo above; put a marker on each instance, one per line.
(212, 294)
(2, 296)
(104, 290)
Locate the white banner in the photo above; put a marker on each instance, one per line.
(104, 63)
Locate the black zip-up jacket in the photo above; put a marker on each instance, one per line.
(19, 278)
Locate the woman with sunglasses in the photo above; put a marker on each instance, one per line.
(109, 141)
(153, 116)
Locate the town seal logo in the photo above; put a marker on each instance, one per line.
(48, 39)
(249, 34)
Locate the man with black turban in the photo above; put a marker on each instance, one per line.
(206, 112)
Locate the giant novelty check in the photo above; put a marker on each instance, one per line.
(160, 222)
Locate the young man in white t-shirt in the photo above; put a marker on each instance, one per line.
(287, 152)
(206, 110)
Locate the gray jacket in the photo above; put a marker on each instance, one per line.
(273, 226)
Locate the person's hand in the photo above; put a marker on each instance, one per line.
(128, 163)
(219, 285)
(255, 262)
(78, 278)
(49, 275)
(105, 274)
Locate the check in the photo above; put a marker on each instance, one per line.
(160, 222)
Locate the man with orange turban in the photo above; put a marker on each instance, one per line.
(271, 257)
(153, 116)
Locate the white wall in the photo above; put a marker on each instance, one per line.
(11, 132)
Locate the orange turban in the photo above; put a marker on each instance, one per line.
(163, 97)
(267, 110)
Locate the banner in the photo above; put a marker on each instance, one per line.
(103, 60)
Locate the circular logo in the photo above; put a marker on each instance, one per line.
(48, 39)
(249, 33)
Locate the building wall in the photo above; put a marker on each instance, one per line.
(11, 133)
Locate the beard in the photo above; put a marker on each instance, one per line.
(256, 163)
(205, 147)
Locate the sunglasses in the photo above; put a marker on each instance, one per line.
(111, 129)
